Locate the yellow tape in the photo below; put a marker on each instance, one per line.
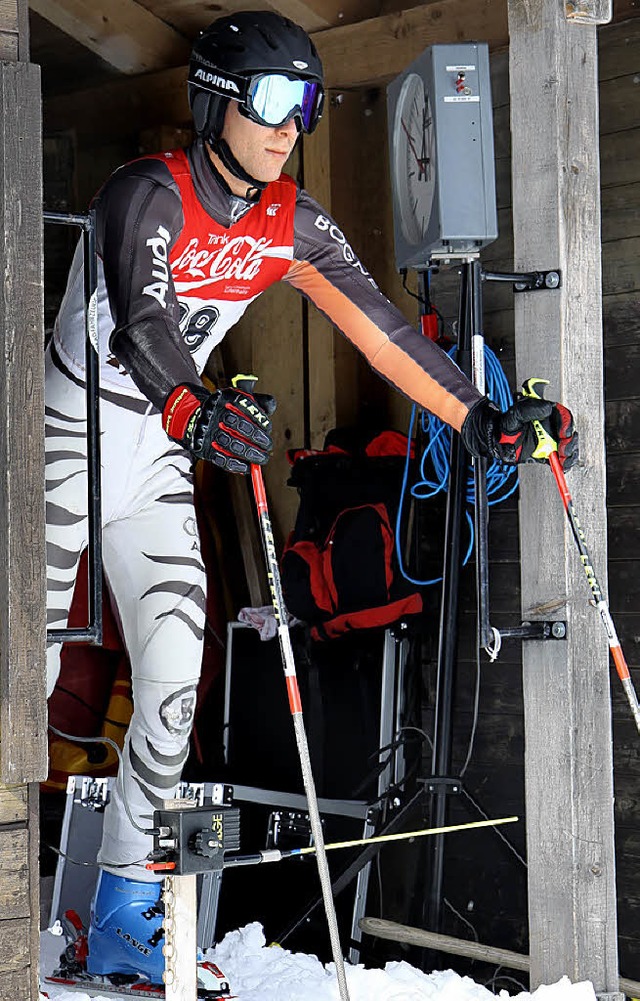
(414, 834)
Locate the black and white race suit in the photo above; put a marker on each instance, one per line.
(180, 259)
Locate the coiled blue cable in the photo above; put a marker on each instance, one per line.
(502, 480)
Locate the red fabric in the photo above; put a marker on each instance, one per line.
(207, 263)
(566, 431)
(294, 454)
(323, 594)
(178, 411)
(369, 618)
(389, 443)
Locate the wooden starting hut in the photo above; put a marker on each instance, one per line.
(554, 739)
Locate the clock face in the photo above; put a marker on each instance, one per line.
(413, 162)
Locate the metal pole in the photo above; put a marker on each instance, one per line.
(92, 365)
(448, 631)
(92, 632)
(481, 506)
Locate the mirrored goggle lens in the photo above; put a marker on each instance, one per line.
(275, 99)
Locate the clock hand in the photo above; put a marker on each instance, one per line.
(421, 161)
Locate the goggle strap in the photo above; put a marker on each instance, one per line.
(207, 77)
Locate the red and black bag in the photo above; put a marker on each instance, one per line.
(339, 570)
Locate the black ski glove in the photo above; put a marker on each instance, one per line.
(511, 437)
(227, 427)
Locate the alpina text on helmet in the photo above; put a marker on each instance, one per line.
(216, 81)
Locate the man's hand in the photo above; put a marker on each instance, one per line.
(511, 437)
(227, 427)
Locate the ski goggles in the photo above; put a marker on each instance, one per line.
(273, 99)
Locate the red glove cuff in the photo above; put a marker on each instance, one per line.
(178, 411)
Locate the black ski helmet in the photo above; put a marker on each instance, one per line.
(236, 48)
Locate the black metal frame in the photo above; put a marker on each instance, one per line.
(92, 633)
(470, 358)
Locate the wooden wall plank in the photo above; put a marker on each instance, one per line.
(376, 50)
(618, 158)
(23, 744)
(22, 551)
(620, 271)
(568, 758)
(617, 44)
(622, 99)
(321, 355)
(621, 212)
(621, 318)
(13, 804)
(14, 986)
(14, 944)
(9, 15)
(14, 874)
(9, 30)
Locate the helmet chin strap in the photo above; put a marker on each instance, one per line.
(221, 148)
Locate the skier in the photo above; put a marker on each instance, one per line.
(186, 240)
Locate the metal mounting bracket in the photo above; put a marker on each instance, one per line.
(526, 281)
(536, 631)
(450, 786)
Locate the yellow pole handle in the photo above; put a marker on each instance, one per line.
(546, 444)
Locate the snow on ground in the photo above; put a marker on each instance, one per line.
(260, 973)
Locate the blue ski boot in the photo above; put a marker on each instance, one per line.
(126, 933)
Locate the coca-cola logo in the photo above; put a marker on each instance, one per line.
(241, 258)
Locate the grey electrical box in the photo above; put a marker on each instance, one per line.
(442, 158)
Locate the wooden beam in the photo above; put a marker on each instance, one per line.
(22, 548)
(395, 932)
(303, 13)
(314, 15)
(9, 30)
(128, 37)
(354, 55)
(376, 50)
(568, 745)
(23, 708)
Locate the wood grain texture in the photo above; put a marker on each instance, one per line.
(23, 748)
(123, 33)
(354, 55)
(14, 874)
(568, 758)
(12, 25)
(321, 352)
(15, 986)
(13, 804)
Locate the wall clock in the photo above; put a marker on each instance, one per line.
(413, 160)
(440, 128)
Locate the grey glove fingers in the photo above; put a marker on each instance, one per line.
(229, 463)
(247, 429)
(239, 447)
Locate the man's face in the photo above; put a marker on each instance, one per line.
(261, 150)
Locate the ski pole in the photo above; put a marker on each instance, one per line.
(547, 448)
(245, 383)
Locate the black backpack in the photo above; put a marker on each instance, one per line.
(339, 568)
